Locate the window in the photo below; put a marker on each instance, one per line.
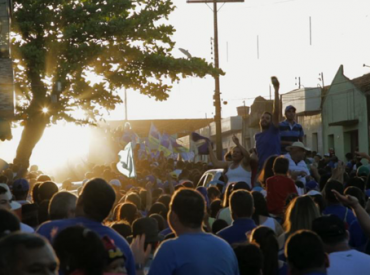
(315, 142)
(331, 142)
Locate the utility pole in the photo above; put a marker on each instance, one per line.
(217, 94)
(322, 79)
(217, 86)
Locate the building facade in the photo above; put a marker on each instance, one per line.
(345, 115)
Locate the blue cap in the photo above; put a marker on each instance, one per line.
(21, 185)
(287, 108)
(312, 185)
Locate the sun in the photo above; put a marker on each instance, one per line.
(63, 146)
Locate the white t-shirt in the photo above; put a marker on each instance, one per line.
(300, 166)
(349, 262)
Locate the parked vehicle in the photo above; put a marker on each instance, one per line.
(213, 177)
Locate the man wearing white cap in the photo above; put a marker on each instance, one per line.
(7, 202)
(297, 166)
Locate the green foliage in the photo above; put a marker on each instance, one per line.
(121, 43)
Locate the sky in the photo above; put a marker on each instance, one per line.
(339, 35)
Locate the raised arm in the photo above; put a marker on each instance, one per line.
(276, 110)
(216, 163)
(244, 151)
(362, 216)
(363, 155)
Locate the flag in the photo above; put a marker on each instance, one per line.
(129, 136)
(201, 143)
(177, 148)
(165, 145)
(188, 156)
(126, 164)
(154, 137)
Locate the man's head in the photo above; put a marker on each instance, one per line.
(265, 120)
(20, 189)
(305, 252)
(6, 198)
(297, 151)
(62, 206)
(331, 230)
(250, 259)
(9, 222)
(329, 195)
(47, 190)
(96, 200)
(241, 204)
(147, 226)
(23, 254)
(187, 210)
(290, 113)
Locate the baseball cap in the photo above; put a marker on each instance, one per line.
(287, 108)
(115, 182)
(147, 226)
(313, 193)
(363, 171)
(331, 229)
(13, 204)
(312, 185)
(21, 185)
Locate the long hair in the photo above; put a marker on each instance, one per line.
(300, 214)
(267, 171)
(227, 194)
(266, 239)
(260, 207)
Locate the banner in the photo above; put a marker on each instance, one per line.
(126, 164)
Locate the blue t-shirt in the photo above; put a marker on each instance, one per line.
(267, 144)
(51, 227)
(236, 232)
(290, 133)
(340, 211)
(195, 254)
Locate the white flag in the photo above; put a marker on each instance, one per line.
(126, 164)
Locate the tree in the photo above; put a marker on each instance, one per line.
(57, 44)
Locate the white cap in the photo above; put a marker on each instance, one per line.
(313, 193)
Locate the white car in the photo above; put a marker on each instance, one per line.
(213, 177)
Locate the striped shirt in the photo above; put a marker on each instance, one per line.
(289, 132)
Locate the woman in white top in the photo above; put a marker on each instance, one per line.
(239, 168)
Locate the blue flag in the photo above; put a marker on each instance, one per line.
(201, 143)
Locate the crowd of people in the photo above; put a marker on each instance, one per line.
(278, 209)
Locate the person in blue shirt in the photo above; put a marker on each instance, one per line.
(93, 206)
(241, 208)
(305, 254)
(268, 140)
(290, 131)
(334, 207)
(192, 251)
